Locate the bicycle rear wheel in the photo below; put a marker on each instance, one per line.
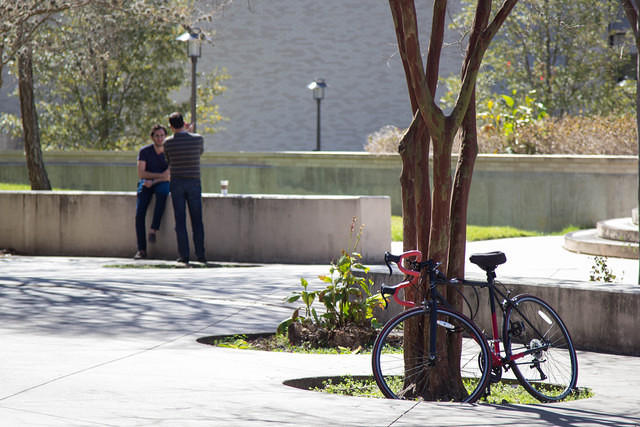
(545, 359)
(402, 377)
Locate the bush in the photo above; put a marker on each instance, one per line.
(385, 140)
(613, 135)
(604, 135)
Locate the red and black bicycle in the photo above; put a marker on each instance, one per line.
(537, 348)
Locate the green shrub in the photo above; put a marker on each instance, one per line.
(346, 297)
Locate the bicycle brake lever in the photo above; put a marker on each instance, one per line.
(384, 291)
(386, 303)
(387, 261)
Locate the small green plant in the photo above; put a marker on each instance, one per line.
(238, 342)
(346, 297)
(507, 114)
(600, 271)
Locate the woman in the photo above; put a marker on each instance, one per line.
(153, 172)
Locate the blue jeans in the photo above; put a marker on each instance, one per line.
(188, 191)
(161, 190)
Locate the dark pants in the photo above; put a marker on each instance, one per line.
(188, 191)
(161, 190)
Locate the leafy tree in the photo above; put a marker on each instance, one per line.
(560, 50)
(19, 23)
(436, 224)
(105, 75)
(28, 28)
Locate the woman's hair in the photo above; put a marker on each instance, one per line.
(158, 127)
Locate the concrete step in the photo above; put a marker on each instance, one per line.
(620, 229)
(589, 242)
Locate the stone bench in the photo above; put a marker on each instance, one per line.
(240, 228)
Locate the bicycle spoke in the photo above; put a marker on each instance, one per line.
(546, 364)
(401, 378)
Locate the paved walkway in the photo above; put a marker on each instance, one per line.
(85, 345)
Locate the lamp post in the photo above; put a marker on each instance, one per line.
(194, 50)
(318, 86)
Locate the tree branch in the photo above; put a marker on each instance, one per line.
(475, 59)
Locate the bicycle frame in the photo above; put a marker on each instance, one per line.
(436, 298)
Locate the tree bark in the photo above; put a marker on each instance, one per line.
(30, 129)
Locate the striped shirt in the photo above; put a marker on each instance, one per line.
(183, 151)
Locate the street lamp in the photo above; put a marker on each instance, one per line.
(318, 86)
(194, 50)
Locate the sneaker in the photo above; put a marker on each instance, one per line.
(182, 260)
(152, 237)
(202, 260)
(140, 255)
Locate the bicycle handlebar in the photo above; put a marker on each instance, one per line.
(397, 259)
(416, 265)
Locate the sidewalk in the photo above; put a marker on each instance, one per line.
(85, 345)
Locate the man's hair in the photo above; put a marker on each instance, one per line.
(176, 121)
(158, 127)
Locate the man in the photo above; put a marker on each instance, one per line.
(183, 151)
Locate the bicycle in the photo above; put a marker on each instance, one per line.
(537, 345)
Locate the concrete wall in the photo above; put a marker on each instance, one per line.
(281, 229)
(602, 318)
(544, 193)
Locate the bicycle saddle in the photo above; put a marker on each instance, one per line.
(488, 261)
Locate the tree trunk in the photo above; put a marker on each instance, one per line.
(466, 162)
(30, 130)
(460, 194)
(429, 221)
(407, 150)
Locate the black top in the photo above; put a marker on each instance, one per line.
(155, 163)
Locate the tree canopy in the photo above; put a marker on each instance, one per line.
(558, 52)
(106, 71)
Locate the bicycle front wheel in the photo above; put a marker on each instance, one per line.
(542, 353)
(404, 368)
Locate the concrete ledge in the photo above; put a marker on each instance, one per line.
(241, 228)
(600, 317)
(590, 242)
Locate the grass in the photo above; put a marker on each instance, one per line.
(503, 392)
(277, 343)
(10, 186)
(477, 232)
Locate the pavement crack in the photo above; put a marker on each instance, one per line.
(404, 413)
